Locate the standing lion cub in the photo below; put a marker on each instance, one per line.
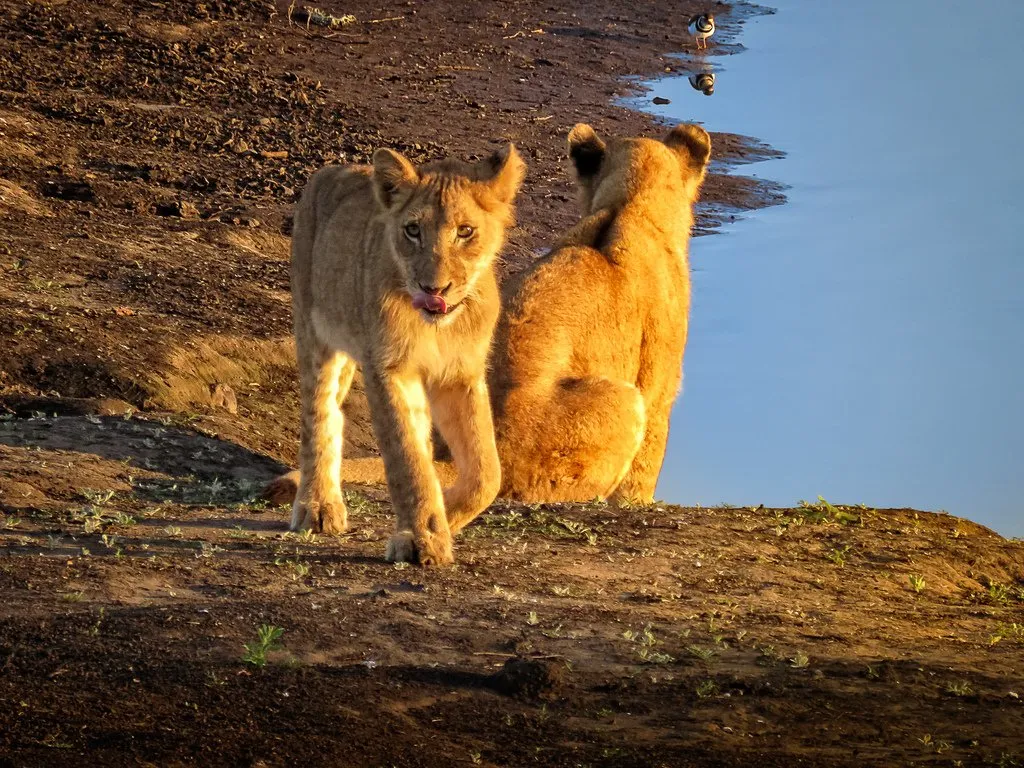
(589, 351)
(392, 270)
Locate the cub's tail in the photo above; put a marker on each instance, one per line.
(282, 489)
(370, 471)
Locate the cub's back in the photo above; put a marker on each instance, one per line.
(329, 191)
(571, 314)
(329, 234)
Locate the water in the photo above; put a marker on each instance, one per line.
(863, 341)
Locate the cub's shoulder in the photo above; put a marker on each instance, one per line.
(334, 184)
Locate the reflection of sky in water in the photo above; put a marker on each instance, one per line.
(863, 342)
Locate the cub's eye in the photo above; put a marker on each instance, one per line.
(412, 230)
(465, 231)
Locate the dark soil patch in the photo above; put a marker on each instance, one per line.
(566, 635)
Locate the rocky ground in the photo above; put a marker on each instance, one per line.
(150, 153)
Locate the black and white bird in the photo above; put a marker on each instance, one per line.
(702, 27)
(703, 82)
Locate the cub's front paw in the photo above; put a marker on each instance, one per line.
(432, 549)
(327, 517)
(435, 549)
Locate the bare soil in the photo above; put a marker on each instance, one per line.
(150, 153)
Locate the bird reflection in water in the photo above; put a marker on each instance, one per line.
(703, 82)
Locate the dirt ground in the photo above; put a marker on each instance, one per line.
(150, 153)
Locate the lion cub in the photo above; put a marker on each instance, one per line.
(392, 270)
(589, 351)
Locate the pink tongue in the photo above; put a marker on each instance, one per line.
(430, 302)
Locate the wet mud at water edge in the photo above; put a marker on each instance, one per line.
(155, 613)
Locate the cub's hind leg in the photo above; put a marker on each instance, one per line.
(638, 485)
(574, 441)
(325, 378)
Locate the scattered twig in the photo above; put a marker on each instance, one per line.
(521, 33)
(330, 39)
(317, 17)
(510, 655)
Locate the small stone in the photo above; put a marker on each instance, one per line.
(180, 208)
(68, 189)
(530, 678)
(223, 396)
(661, 100)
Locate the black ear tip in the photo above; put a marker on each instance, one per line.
(585, 149)
(576, 150)
(586, 159)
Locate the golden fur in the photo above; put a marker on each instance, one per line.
(589, 350)
(365, 242)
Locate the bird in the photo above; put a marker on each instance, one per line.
(702, 26)
(704, 82)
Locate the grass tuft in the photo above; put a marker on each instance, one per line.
(706, 689)
(644, 646)
(267, 637)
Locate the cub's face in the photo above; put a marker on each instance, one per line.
(445, 223)
(609, 173)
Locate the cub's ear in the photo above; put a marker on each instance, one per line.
(692, 141)
(391, 172)
(585, 149)
(504, 172)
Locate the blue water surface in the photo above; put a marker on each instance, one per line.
(863, 341)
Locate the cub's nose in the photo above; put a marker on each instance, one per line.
(434, 290)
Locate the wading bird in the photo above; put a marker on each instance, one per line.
(702, 27)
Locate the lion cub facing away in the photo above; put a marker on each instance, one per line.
(589, 350)
(392, 270)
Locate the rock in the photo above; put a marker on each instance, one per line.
(661, 100)
(223, 396)
(68, 189)
(529, 678)
(180, 208)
